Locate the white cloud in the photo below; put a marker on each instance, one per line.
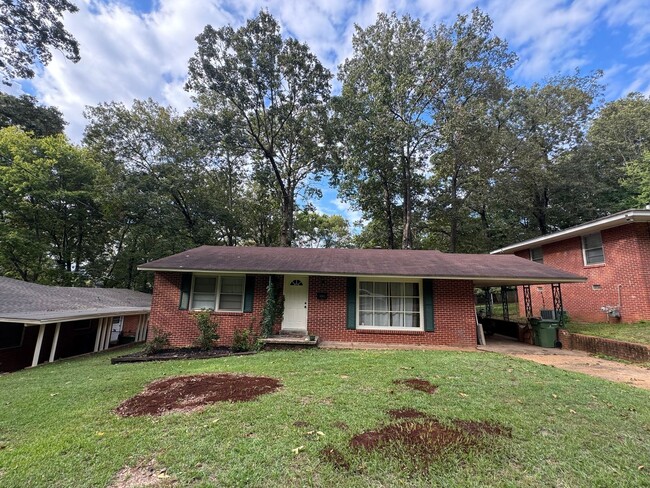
(126, 54)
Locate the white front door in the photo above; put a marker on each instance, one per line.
(296, 292)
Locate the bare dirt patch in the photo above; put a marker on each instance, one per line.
(335, 458)
(418, 384)
(189, 393)
(420, 442)
(142, 475)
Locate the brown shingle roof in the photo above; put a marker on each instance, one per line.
(484, 269)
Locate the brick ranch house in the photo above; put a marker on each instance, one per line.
(39, 324)
(340, 295)
(612, 252)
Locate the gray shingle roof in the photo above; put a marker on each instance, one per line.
(483, 269)
(21, 301)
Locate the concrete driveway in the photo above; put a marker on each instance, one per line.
(577, 361)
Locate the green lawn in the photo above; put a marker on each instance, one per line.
(497, 310)
(57, 427)
(638, 332)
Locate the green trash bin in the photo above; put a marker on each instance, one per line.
(547, 333)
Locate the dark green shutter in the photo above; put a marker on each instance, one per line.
(351, 317)
(249, 293)
(186, 288)
(427, 302)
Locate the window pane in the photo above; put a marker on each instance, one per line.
(595, 256)
(396, 304)
(230, 302)
(203, 300)
(397, 320)
(412, 304)
(412, 320)
(411, 289)
(537, 255)
(365, 288)
(381, 319)
(397, 289)
(365, 303)
(381, 304)
(593, 240)
(381, 289)
(232, 285)
(204, 285)
(365, 318)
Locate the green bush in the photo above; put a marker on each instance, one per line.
(159, 342)
(207, 325)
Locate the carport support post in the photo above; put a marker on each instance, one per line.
(528, 302)
(55, 341)
(39, 343)
(109, 328)
(98, 335)
(557, 303)
(504, 302)
(488, 302)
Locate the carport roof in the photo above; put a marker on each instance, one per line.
(482, 269)
(35, 304)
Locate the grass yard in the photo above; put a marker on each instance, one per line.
(638, 332)
(58, 429)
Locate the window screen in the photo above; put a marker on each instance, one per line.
(592, 246)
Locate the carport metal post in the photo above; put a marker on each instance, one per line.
(504, 302)
(39, 343)
(528, 302)
(488, 302)
(55, 341)
(557, 303)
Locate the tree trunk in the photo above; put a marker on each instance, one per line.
(407, 234)
(286, 233)
(453, 221)
(390, 231)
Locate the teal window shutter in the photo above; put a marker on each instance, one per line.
(427, 302)
(249, 293)
(351, 311)
(186, 288)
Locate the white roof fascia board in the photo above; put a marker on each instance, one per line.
(614, 220)
(37, 318)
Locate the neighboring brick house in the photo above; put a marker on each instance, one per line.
(339, 295)
(41, 323)
(612, 252)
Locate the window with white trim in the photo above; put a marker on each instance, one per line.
(389, 304)
(537, 255)
(11, 335)
(592, 249)
(221, 293)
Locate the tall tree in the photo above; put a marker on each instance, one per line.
(51, 224)
(278, 90)
(385, 111)
(24, 112)
(28, 30)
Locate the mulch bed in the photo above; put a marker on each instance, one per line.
(189, 393)
(179, 353)
(419, 439)
(418, 384)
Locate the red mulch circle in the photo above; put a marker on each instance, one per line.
(418, 384)
(187, 393)
(406, 413)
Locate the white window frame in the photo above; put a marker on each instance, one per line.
(217, 304)
(532, 257)
(584, 249)
(384, 328)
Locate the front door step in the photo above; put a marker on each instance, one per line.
(289, 341)
(293, 333)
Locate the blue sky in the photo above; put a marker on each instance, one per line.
(140, 48)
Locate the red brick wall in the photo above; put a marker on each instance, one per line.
(627, 263)
(166, 316)
(453, 313)
(130, 325)
(601, 345)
